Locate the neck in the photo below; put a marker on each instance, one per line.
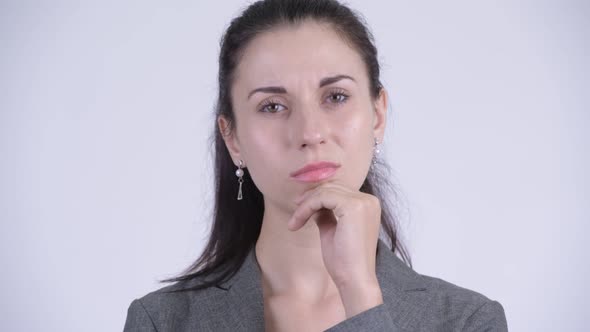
(291, 262)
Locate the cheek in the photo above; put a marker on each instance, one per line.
(261, 143)
(358, 143)
(355, 129)
(262, 150)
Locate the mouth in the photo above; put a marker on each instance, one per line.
(315, 172)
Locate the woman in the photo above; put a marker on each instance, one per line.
(295, 241)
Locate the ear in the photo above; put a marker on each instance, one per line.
(380, 118)
(230, 139)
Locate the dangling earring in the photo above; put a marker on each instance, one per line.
(376, 151)
(240, 174)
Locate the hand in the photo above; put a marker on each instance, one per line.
(349, 223)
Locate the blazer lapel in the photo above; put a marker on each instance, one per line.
(398, 283)
(245, 301)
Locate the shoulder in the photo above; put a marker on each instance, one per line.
(455, 307)
(173, 308)
(233, 303)
(424, 303)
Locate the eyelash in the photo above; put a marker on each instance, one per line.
(267, 103)
(271, 102)
(339, 93)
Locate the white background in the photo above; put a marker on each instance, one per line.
(106, 109)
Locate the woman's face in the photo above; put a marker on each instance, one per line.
(300, 96)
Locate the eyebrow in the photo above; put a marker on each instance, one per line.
(334, 79)
(279, 89)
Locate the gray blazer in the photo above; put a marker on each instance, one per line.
(411, 302)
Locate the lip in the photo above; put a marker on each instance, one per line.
(314, 172)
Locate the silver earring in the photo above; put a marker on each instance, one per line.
(376, 151)
(240, 174)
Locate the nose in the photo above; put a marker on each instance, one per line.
(310, 129)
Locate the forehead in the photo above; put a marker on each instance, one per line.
(294, 54)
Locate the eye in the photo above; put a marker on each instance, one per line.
(270, 106)
(337, 97)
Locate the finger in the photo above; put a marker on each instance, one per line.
(326, 199)
(305, 195)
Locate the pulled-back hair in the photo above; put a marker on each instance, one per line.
(237, 223)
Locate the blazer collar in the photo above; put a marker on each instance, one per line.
(404, 290)
(396, 279)
(245, 298)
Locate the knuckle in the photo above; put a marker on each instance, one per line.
(376, 201)
(372, 202)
